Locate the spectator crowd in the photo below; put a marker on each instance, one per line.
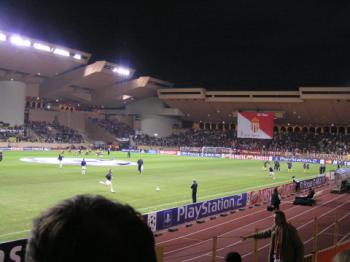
(55, 133)
(43, 132)
(298, 142)
(115, 127)
(306, 143)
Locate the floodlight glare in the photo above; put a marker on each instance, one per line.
(2, 37)
(77, 56)
(42, 47)
(17, 40)
(61, 52)
(125, 97)
(121, 71)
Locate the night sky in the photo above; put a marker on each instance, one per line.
(219, 45)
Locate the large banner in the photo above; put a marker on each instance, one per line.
(184, 214)
(255, 125)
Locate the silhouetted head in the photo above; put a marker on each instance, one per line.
(233, 257)
(90, 228)
(280, 218)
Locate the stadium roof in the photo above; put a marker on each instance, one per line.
(63, 73)
(309, 105)
(27, 56)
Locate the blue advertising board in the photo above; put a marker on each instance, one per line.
(296, 159)
(317, 181)
(13, 251)
(196, 154)
(184, 214)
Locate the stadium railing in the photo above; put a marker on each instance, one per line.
(334, 244)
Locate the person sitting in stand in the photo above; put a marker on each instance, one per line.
(310, 195)
(306, 200)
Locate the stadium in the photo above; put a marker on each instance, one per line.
(55, 102)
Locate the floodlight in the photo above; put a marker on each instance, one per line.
(2, 37)
(19, 41)
(42, 47)
(61, 52)
(77, 56)
(121, 71)
(125, 97)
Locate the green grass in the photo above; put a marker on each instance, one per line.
(26, 189)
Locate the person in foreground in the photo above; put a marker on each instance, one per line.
(233, 257)
(343, 256)
(90, 228)
(286, 245)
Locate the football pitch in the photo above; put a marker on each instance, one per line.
(26, 189)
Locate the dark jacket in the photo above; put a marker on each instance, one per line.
(292, 249)
(275, 199)
(194, 188)
(311, 194)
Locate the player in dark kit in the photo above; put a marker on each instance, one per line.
(108, 181)
(194, 187)
(304, 167)
(290, 165)
(271, 173)
(140, 166)
(322, 169)
(83, 167)
(60, 159)
(0, 156)
(266, 163)
(276, 166)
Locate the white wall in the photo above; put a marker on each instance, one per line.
(152, 105)
(12, 102)
(32, 90)
(153, 117)
(154, 124)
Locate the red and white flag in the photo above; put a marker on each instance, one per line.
(255, 125)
